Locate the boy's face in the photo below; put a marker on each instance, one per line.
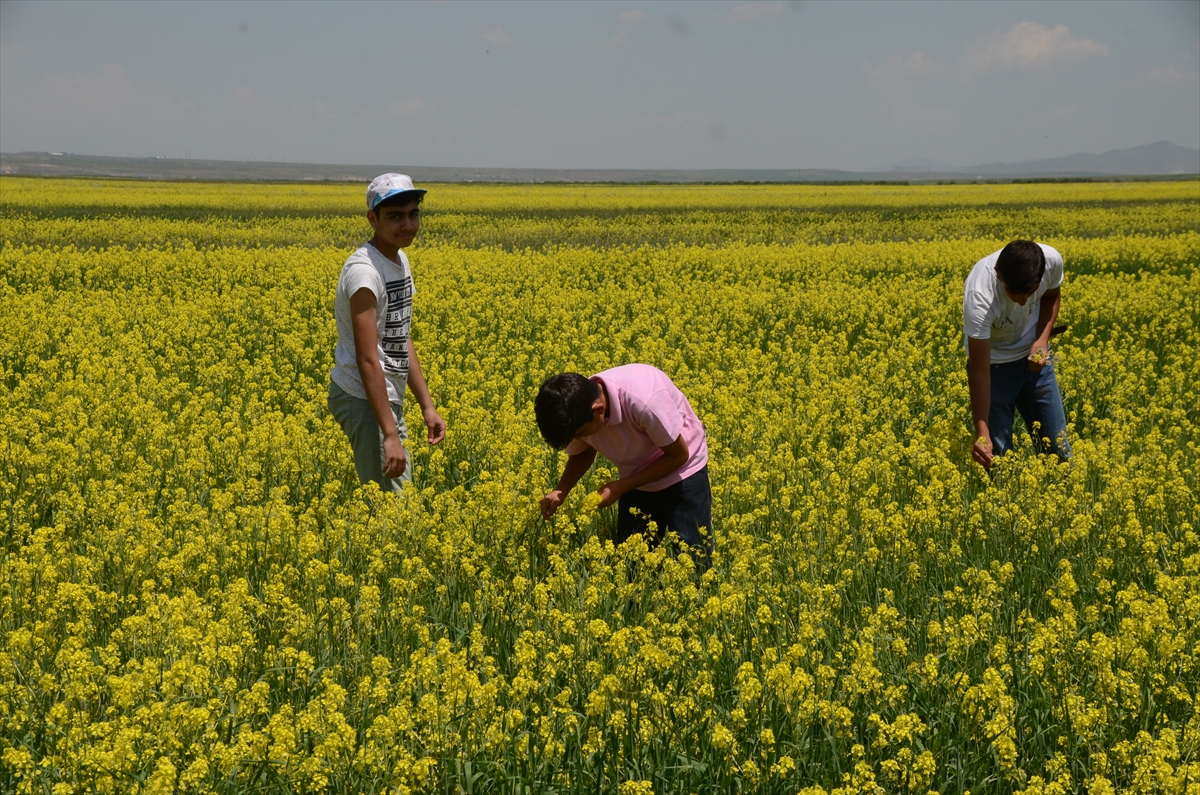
(597, 423)
(396, 225)
(1017, 298)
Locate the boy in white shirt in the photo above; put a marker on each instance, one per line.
(375, 359)
(1010, 301)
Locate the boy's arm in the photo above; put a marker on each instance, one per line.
(979, 382)
(434, 423)
(674, 456)
(577, 466)
(1047, 313)
(366, 356)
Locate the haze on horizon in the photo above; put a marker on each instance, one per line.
(637, 85)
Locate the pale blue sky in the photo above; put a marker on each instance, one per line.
(850, 85)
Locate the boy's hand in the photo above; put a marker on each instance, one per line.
(981, 451)
(610, 493)
(435, 425)
(1040, 356)
(395, 460)
(549, 504)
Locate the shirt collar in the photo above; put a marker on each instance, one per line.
(614, 401)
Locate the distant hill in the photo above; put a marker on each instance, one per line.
(924, 164)
(1162, 158)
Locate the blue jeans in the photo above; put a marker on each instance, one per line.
(684, 507)
(1036, 396)
(366, 437)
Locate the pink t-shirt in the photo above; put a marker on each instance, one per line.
(646, 412)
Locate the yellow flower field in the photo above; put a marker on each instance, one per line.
(195, 599)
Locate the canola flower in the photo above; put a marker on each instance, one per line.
(196, 600)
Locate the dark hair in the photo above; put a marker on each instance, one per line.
(1021, 265)
(399, 200)
(563, 406)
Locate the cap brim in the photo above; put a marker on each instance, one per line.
(413, 193)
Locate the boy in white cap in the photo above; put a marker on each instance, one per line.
(375, 359)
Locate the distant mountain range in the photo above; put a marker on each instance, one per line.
(1160, 159)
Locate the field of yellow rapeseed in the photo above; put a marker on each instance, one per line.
(194, 599)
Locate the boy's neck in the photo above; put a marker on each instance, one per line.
(391, 252)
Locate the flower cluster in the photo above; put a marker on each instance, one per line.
(197, 598)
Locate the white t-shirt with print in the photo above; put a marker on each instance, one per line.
(393, 287)
(989, 314)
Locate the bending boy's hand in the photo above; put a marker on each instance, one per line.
(549, 504)
(981, 451)
(1039, 357)
(435, 425)
(610, 493)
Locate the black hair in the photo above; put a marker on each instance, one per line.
(399, 200)
(563, 406)
(1021, 265)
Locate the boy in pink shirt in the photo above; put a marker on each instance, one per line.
(641, 422)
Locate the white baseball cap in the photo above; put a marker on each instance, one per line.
(385, 186)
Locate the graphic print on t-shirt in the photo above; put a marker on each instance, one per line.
(1012, 319)
(395, 326)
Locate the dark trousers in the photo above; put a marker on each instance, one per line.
(684, 507)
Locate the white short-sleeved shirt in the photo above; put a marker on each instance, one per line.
(393, 287)
(989, 314)
(646, 412)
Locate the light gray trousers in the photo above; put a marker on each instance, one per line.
(366, 437)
